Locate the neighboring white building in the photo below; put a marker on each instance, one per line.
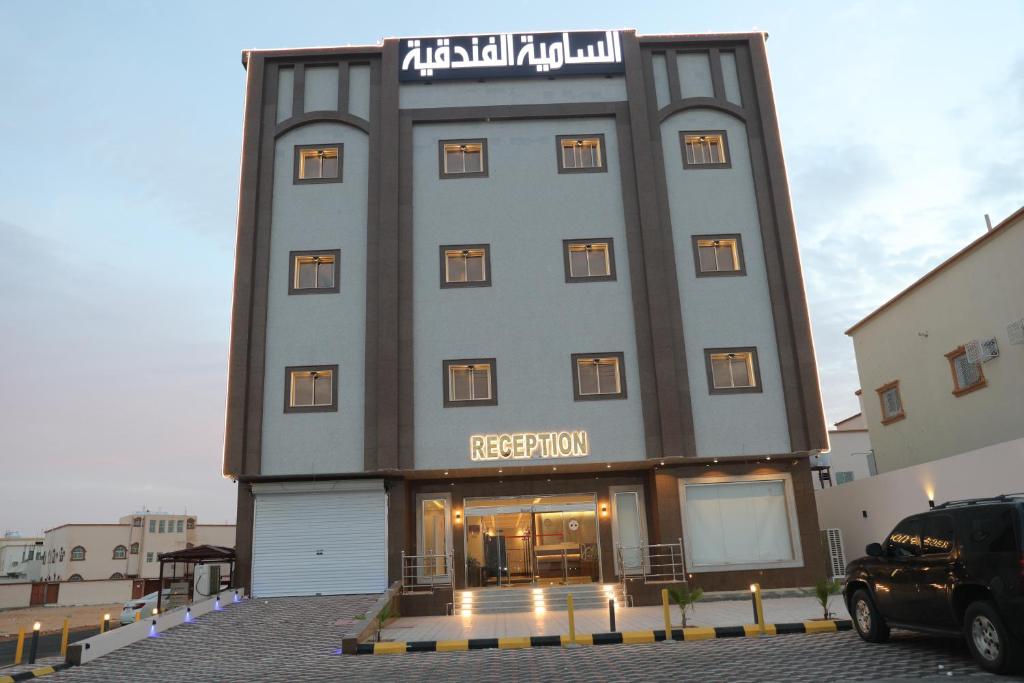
(127, 549)
(849, 457)
(20, 557)
(945, 423)
(924, 397)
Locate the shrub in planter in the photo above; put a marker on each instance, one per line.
(686, 597)
(823, 590)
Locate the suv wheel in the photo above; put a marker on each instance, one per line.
(989, 640)
(869, 623)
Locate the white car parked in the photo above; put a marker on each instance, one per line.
(146, 604)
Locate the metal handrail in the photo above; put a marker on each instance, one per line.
(414, 573)
(659, 563)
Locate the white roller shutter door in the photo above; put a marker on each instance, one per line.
(325, 538)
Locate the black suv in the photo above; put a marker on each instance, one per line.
(957, 569)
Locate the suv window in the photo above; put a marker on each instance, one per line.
(905, 539)
(989, 529)
(937, 535)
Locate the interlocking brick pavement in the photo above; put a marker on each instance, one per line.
(294, 639)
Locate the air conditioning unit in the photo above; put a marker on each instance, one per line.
(981, 351)
(1015, 331)
(832, 540)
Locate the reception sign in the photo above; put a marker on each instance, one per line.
(529, 445)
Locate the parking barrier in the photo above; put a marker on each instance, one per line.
(34, 646)
(20, 647)
(572, 621)
(666, 615)
(64, 637)
(755, 595)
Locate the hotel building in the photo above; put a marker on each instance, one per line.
(519, 308)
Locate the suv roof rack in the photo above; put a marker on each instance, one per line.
(1002, 498)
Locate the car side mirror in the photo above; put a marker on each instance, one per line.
(874, 550)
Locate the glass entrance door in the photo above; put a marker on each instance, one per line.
(515, 540)
(434, 538)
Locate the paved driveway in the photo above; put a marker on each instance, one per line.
(293, 639)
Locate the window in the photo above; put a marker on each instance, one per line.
(844, 477)
(311, 389)
(937, 535)
(892, 402)
(470, 382)
(733, 370)
(597, 376)
(117, 575)
(135, 549)
(74, 577)
(181, 525)
(191, 523)
(581, 153)
(149, 557)
(318, 164)
(718, 255)
(313, 272)
(137, 521)
(120, 552)
(740, 523)
(465, 265)
(163, 526)
(77, 554)
(989, 529)
(967, 376)
(905, 539)
(463, 158)
(705, 149)
(589, 260)
(152, 526)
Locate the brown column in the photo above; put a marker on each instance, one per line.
(243, 537)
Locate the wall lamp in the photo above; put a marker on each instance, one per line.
(604, 509)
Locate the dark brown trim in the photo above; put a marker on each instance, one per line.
(675, 415)
(245, 275)
(372, 343)
(297, 180)
(895, 384)
(959, 391)
(321, 116)
(755, 366)
(332, 408)
(446, 381)
(394, 257)
(574, 360)
(602, 168)
(445, 248)
(717, 80)
(294, 255)
(719, 273)
(485, 158)
(675, 85)
(244, 509)
(725, 148)
(569, 277)
(299, 90)
(702, 103)
(343, 76)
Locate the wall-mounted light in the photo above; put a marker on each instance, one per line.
(931, 503)
(458, 516)
(604, 509)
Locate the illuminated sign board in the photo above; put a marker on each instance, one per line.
(497, 55)
(529, 445)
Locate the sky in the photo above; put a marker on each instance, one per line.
(120, 136)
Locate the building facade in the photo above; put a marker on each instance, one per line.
(849, 456)
(509, 299)
(941, 364)
(20, 557)
(128, 549)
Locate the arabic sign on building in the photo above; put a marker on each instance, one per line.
(529, 445)
(510, 54)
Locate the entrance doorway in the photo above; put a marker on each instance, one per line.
(531, 539)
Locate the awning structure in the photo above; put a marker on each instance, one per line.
(190, 557)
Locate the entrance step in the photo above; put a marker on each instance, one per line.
(537, 598)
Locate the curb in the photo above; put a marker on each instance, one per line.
(38, 672)
(625, 637)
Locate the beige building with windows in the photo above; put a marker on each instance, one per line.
(127, 549)
(20, 557)
(942, 363)
(849, 456)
